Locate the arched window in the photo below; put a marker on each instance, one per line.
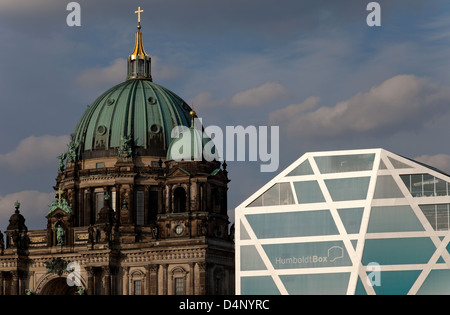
(179, 277)
(179, 200)
(137, 282)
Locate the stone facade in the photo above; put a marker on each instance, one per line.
(161, 230)
(127, 218)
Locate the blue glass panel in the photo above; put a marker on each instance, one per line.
(345, 163)
(397, 164)
(437, 215)
(302, 169)
(262, 285)
(386, 187)
(250, 259)
(348, 188)
(396, 282)
(392, 251)
(278, 194)
(430, 213)
(243, 233)
(315, 284)
(407, 181)
(351, 218)
(442, 217)
(308, 192)
(290, 224)
(307, 255)
(393, 219)
(417, 185)
(425, 185)
(428, 185)
(437, 282)
(360, 290)
(441, 187)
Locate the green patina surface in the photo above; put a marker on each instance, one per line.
(135, 108)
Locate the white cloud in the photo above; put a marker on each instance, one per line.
(163, 71)
(33, 206)
(103, 77)
(35, 152)
(205, 100)
(106, 77)
(403, 102)
(439, 161)
(260, 95)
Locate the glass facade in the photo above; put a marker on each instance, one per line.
(346, 222)
(278, 194)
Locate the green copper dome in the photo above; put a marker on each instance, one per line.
(192, 144)
(138, 110)
(135, 117)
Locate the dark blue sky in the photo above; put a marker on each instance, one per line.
(314, 68)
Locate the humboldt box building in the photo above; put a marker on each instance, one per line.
(127, 218)
(346, 222)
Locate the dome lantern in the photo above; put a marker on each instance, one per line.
(139, 63)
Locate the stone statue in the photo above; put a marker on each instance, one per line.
(72, 152)
(155, 231)
(91, 232)
(61, 159)
(125, 150)
(59, 235)
(81, 291)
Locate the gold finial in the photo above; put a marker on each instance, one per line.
(139, 63)
(59, 192)
(138, 12)
(193, 114)
(139, 47)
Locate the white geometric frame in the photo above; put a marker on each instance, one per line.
(357, 270)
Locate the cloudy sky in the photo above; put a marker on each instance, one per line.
(312, 67)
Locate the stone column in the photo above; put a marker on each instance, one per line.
(127, 280)
(88, 206)
(152, 279)
(165, 279)
(188, 197)
(15, 283)
(72, 199)
(169, 199)
(201, 288)
(107, 279)
(160, 199)
(203, 206)
(118, 202)
(90, 280)
(195, 197)
(191, 287)
(80, 207)
(131, 205)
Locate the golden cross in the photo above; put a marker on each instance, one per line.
(59, 192)
(139, 11)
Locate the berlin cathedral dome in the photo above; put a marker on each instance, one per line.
(131, 218)
(138, 110)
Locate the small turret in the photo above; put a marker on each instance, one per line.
(16, 231)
